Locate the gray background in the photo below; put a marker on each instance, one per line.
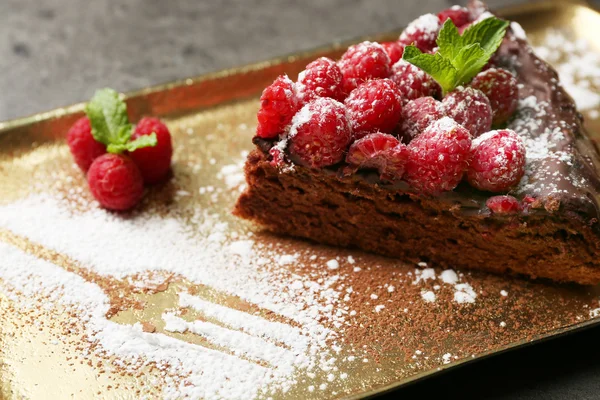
(57, 52)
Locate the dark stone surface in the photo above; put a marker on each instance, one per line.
(57, 52)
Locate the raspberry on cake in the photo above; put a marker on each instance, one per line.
(379, 151)
(497, 161)
(320, 133)
(422, 32)
(321, 78)
(503, 205)
(500, 87)
(394, 50)
(417, 115)
(413, 83)
(460, 16)
(421, 175)
(374, 106)
(470, 108)
(278, 104)
(438, 157)
(362, 62)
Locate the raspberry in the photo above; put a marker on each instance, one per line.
(500, 87)
(438, 157)
(362, 62)
(374, 106)
(460, 16)
(395, 50)
(503, 205)
(320, 78)
(320, 133)
(84, 148)
(278, 104)
(417, 115)
(470, 108)
(379, 151)
(413, 82)
(154, 162)
(497, 161)
(115, 181)
(422, 32)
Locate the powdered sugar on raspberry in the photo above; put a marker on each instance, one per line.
(428, 24)
(302, 117)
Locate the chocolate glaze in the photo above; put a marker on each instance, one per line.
(569, 186)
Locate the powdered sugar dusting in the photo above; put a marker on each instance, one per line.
(158, 243)
(463, 291)
(578, 66)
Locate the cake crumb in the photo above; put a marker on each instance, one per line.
(148, 327)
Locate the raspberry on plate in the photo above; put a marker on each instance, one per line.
(320, 78)
(154, 162)
(115, 181)
(278, 104)
(470, 108)
(84, 148)
(413, 82)
(422, 32)
(395, 50)
(460, 16)
(417, 115)
(500, 87)
(497, 161)
(438, 157)
(320, 133)
(379, 151)
(503, 205)
(363, 62)
(374, 106)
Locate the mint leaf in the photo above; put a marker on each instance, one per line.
(459, 58)
(449, 40)
(110, 124)
(142, 141)
(108, 117)
(488, 33)
(139, 143)
(469, 61)
(435, 65)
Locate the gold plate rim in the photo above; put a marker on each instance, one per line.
(71, 110)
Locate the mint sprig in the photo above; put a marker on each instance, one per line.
(459, 58)
(110, 124)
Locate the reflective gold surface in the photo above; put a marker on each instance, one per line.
(212, 117)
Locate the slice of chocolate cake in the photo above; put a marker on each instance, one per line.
(396, 161)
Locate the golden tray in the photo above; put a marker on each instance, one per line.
(395, 337)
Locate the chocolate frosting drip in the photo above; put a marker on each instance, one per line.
(562, 174)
